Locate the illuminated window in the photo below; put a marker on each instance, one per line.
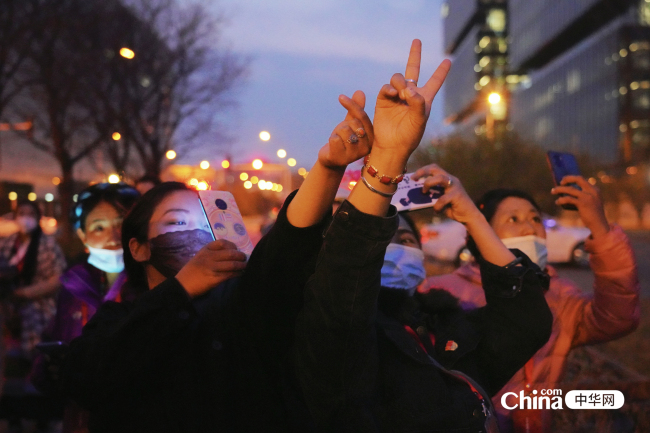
(496, 20)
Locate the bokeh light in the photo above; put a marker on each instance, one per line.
(258, 164)
(282, 153)
(170, 154)
(265, 136)
(291, 162)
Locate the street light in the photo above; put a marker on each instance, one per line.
(258, 164)
(204, 165)
(170, 154)
(116, 136)
(291, 162)
(127, 53)
(225, 163)
(494, 98)
(282, 153)
(31, 196)
(265, 136)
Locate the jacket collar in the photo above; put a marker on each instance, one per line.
(472, 273)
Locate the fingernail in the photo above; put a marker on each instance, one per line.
(410, 92)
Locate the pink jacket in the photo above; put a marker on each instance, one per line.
(578, 318)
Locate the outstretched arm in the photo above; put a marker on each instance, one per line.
(350, 140)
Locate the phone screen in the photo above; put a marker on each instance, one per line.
(563, 164)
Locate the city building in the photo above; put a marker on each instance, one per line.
(576, 74)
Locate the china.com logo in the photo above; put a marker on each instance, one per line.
(552, 399)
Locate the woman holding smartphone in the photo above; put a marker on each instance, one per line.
(205, 346)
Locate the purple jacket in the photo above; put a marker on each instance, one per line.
(79, 299)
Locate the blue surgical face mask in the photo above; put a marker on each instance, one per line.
(403, 268)
(111, 261)
(533, 246)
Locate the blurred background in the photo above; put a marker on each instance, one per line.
(240, 95)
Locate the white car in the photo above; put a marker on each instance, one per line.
(445, 241)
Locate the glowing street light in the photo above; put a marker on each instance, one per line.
(116, 136)
(127, 53)
(13, 196)
(282, 153)
(265, 136)
(291, 162)
(258, 164)
(243, 176)
(225, 163)
(31, 196)
(170, 154)
(494, 98)
(302, 171)
(113, 178)
(204, 165)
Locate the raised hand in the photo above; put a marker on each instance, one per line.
(588, 202)
(403, 108)
(215, 263)
(352, 138)
(454, 202)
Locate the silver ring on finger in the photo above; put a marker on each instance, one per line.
(353, 139)
(409, 80)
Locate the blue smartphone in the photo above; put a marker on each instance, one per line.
(563, 164)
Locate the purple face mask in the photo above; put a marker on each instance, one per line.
(171, 251)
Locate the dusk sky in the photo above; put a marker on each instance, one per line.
(303, 55)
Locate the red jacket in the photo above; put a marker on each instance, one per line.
(612, 311)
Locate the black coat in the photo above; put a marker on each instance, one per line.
(168, 363)
(361, 371)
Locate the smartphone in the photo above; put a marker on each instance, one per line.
(563, 164)
(221, 212)
(409, 195)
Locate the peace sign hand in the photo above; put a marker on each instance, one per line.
(402, 108)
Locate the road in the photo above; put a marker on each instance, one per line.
(640, 244)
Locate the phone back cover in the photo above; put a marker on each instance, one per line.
(225, 219)
(409, 195)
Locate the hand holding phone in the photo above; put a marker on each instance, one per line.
(563, 164)
(409, 195)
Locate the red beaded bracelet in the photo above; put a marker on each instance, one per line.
(386, 180)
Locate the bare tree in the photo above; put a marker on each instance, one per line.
(54, 81)
(167, 95)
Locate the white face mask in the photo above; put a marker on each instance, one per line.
(27, 224)
(403, 268)
(111, 261)
(533, 246)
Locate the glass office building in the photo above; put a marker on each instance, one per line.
(576, 73)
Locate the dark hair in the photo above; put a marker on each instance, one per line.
(488, 205)
(30, 261)
(136, 226)
(405, 216)
(120, 195)
(149, 178)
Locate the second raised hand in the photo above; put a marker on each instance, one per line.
(402, 108)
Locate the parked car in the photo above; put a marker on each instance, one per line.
(445, 241)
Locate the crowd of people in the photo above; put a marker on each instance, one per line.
(329, 326)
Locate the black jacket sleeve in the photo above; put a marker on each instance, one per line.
(336, 346)
(122, 345)
(515, 323)
(270, 292)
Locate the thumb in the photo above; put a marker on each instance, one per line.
(416, 102)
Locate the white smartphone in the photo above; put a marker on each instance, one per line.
(225, 220)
